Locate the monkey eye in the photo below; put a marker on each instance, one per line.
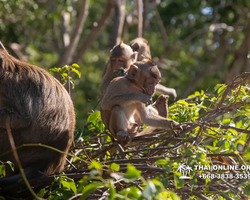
(113, 59)
(120, 60)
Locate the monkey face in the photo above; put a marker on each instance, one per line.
(150, 85)
(152, 78)
(118, 63)
(146, 76)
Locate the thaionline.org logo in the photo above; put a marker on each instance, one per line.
(215, 171)
(184, 170)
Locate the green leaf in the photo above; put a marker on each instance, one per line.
(65, 75)
(93, 117)
(65, 67)
(55, 69)
(201, 156)
(42, 192)
(235, 133)
(114, 166)
(149, 190)
(248, 55)
(62, 193)
(132, 173)
(247, 190)
(2, 170)
(112, 191)
(68, 183)
(219, 87)
(188, 152)
(178, 182)
(75, 65)
(95, 164)
(246, 156)
(162, 162)
(89, 189)
(11, 165)
(182, 102)
(77, 72)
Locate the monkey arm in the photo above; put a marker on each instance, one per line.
(16, 121)
(148, 117)
(106, 79)
(124, 100)
(164, 90)
(105, 68)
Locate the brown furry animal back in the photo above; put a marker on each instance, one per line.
(35, 96)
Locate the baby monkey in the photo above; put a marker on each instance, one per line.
(126, 104)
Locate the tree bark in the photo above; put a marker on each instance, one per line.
(144, 17)
(118, 22)
(75, 35)
(139, 14)
(240, 58)
(94, 31)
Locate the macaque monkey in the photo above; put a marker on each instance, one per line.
(121, 57)
(141, 46)
(125, 105)
(38, 110)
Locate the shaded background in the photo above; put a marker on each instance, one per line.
(196, 44)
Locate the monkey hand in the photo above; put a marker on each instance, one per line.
(175, 125)
(185, 126)
(146, 99)
(123, 137)
(120, 72)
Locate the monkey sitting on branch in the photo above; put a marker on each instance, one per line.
(37, 110)
(142, 46)
(125, 105)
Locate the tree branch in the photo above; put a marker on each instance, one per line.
(94, 31)
(75, 35)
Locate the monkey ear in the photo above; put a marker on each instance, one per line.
(134, 56)
(132, 72)
(135, 46)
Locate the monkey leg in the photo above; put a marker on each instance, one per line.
(118, 124)
(16, 121)
(149, 118)
(161, 105)
(164, 90)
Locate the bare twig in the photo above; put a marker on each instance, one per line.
(97, 27)
(75, 34)
(13, 147)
